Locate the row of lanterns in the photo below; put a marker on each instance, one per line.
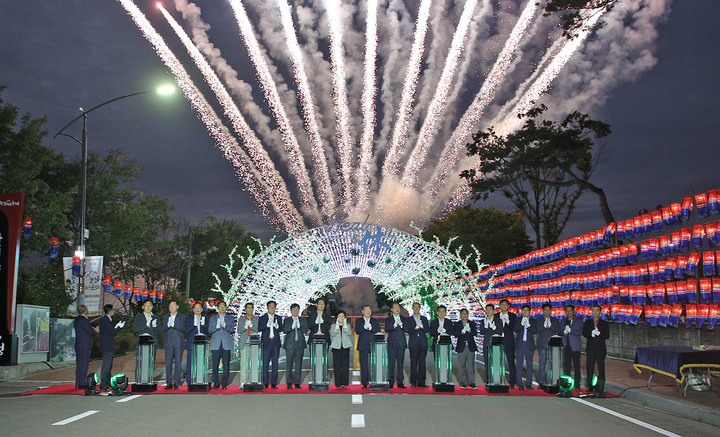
(128, 291)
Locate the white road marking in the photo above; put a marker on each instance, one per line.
(357, 421)
(356, 373)
(357, 399)
(356, 382)
(628, 418)
(128, 399)
(74, 418)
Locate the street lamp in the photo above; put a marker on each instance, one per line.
(80, 250)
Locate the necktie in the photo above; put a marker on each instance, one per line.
(296, 336)
(271, 321)
(524, 333)
(547, 322)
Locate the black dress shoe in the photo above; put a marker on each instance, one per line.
(267, 385)
(298, 386)
(521, 388)
(289, 386)
(401, 386)
(473, 386)
(224, 387)
(422, 386)
(364, 386)
(168, 387)
(177, 386)
(412, 385)
(274, 386)
(217, 386)
(529, 387)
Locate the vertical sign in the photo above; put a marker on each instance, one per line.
(93, 285)
(11, 211)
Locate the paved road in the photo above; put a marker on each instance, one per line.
(326, 414)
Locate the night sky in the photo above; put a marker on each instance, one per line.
(58, 56)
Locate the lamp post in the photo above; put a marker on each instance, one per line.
(80, 250)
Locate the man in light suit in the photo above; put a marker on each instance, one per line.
(319, 321)
(247, 325)
(525, 348)
(506, 321)
(84, 333)
(418, 326)
(487, 329)
(546, 327)
(572, 344)
(108, 331)
(365, 328)
(395, 326)
(269, 325)
(465, 330)
(222, 328)
(194, 325)
(173, 325)
(597, 331)
(294, 328)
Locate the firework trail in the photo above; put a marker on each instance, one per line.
(455, 147)
(342, 111)
(327, 198)
(368, 109)
(439, 100)
(269, 88)
(265, 195)
(538, 87)
(397, 144)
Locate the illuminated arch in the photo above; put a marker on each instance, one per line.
(301, 267)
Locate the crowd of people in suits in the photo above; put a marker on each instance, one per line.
(521, 336)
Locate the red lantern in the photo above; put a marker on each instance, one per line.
(54, 243)
(127, 291)
(118, 288)
(106, 284)
(76, 263)
(27, 226)
(160, 296)
(153, 296)
(136, 293)
(144, 294)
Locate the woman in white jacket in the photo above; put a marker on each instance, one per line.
(341, 343)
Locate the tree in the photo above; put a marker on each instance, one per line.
(543, 168)
(44, 286)
(575, 13)
(498, 235)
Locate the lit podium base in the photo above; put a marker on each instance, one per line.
(199, 388)
(144, 388)
(253, 386)
(497, 388)
(443, 387)
(319, 387)
(379, 386)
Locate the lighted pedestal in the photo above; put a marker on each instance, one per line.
(378, 364)
(198, 373)
(318, 364)
(254, 370)
(496, 373)
(554, 364)
(443, 364)
(144, 364)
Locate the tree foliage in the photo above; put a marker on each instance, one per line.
(498, 235)
(575, 13)
(543, 168)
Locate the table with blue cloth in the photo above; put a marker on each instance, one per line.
(677, 362)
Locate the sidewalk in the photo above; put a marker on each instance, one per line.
(622, 379)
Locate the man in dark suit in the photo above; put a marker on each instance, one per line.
(487, 329)
(397, 343)
(173, 325)
(222, 328)
(572, 344)
(597, 331)
(546, 327)
(269, 325)
(146, 322)
(418, 326)
(84, 333)
(365, 328)
(440, 326)
(525, 348)
(108, 331)
(506, 321)
(465, 331)
(194, 325)
(319, 321)
(294, 328)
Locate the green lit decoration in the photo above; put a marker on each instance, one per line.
(303, 267)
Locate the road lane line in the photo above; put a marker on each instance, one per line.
(74, 418)
(357, 421)
(357, 399)
(128, 399)
(628, 418)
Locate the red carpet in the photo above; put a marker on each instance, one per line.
(68, 389)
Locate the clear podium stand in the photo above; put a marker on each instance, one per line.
(379, 363)
(254, 370)
(443, 364)
(144, 365)
(318, 364)
(496, 373)
(198, 373)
